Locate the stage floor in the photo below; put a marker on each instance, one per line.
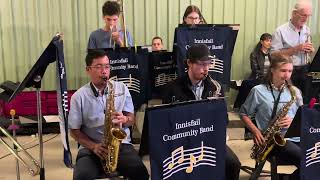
(55, 169)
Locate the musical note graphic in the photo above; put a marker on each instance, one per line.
(163, 79)
(201, 155)
(132, 83)
(188, 160)
(216, 65)
(312, 155)
(315, 152)
(179, 150)
(192, 163)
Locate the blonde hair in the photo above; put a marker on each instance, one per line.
(276, 61)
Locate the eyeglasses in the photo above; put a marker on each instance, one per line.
(193, 18)
(203, 64)
(303, 15)
(101, 66)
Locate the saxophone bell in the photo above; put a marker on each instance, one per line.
(278, 139)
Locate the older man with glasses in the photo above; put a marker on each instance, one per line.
(87, 123)
(293, 39)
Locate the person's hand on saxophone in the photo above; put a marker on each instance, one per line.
(285, 122)
(258, 137)
(123, 118)
(100, 150)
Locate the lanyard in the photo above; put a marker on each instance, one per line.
(276, 102)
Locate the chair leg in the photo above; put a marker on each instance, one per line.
(273, 164)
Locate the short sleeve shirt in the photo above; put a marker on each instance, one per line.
(87, 110)
(286, 37)
(102, 39)
(259, 104)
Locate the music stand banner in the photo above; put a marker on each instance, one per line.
(130, 66)
(310, 143)
(187, 141)
(219, 39)
(162, 70)
(62, 102)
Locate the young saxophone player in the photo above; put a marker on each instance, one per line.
(274, 104)
(110, 35)
(196, 85)
(87, 123)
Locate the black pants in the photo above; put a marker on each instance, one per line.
(290, 153)
(232, 165)
(88, 165)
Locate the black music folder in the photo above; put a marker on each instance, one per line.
(315, 64)
(294, 129)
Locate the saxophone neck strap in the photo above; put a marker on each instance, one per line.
(276, 101)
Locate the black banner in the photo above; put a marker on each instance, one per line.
(62, 102)
(162, 70)
(310, 143)
(187, 140)
(219, 38)
(130, 66)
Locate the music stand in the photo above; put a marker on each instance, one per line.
(144, 144)
(33, 79)
(294, 129)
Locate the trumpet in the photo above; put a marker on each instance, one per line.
(307, 58)
(32, 171)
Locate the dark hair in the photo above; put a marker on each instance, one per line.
(110, 8)
(263, 37)
(94, 54)
(190, 9)
(276, 61)
(157, 37)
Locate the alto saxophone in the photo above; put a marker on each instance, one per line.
(113, 136)
(272, 134)
(217, 92)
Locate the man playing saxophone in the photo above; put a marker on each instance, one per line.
(87, 122)
(267, 103)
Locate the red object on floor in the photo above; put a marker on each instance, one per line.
(25, 104)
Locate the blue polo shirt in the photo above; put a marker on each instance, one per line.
(87, 110)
